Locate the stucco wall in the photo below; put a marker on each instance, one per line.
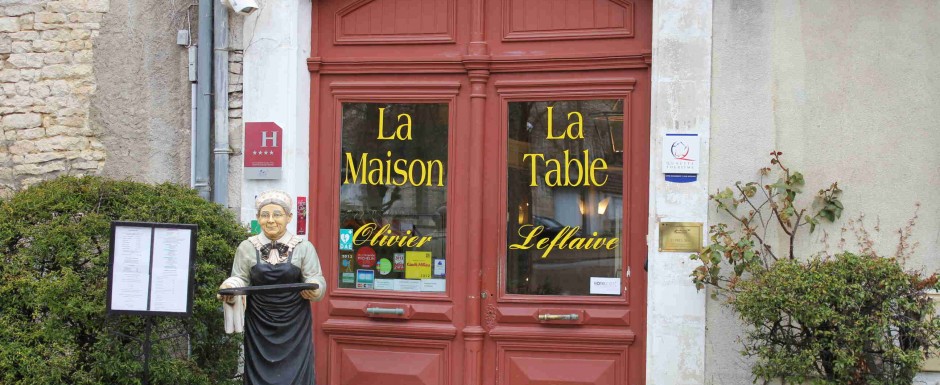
(142, 105)
(849, 92)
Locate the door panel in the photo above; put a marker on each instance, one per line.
(567, 28)
(410, 311)
(566, 20)
(544, 364)
(396, 22)
(377, 29)
(368, 361)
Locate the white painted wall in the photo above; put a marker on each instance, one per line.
(681, 96)
(277, 89)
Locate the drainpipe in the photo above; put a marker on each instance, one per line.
(192, 128)
(221, 148)
(203, 100)
(186, 39)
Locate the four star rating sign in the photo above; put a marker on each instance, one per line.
(263, 144)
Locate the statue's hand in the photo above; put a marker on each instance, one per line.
(310, 295)
(226, 298)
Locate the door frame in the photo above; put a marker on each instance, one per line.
(593, 86)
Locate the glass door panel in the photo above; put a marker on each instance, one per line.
(393, 197)
(565, 197)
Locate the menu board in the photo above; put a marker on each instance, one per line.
(151, 268)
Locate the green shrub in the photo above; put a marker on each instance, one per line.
(53, 282)
(848, 319)
(845, 319)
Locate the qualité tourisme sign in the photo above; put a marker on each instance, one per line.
(263, 144)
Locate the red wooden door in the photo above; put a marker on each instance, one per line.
(479, 179)
(565, 294)
(567, 118)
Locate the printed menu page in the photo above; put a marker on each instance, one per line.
(170, 283)
(131, 271)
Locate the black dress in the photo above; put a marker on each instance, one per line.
(278, 340)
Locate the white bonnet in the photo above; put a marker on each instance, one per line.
(276, 197)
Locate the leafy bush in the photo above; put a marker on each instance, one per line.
(845, 319)
(849, 319)
(53, 282)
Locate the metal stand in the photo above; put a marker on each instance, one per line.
(146, 345)
(147, 330)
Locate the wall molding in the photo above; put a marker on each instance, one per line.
(566, 334)
(399, 329)
(495, 64)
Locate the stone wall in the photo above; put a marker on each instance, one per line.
(47, 80)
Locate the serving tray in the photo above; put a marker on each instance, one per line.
(269, 289)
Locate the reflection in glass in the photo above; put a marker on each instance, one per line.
(565, 200)
(393, 196)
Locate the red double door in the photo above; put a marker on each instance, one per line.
(479, 185)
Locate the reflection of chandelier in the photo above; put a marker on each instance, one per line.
(613, 121)
(602, 206)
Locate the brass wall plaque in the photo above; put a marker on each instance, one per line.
(680, 236)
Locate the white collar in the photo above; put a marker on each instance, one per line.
(258, 241)
(284, 238)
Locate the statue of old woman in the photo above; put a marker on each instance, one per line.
(277, 326)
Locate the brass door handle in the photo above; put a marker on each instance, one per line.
(382, 310)
(558, 317)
